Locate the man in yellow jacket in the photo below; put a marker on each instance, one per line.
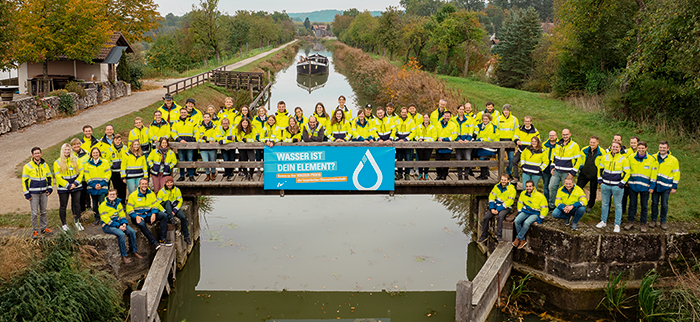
(571, 203)
(37, 185)
(142, 207)
(501, 198)
(533, 208)
(668, 176)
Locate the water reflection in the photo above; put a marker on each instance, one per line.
(311, 83)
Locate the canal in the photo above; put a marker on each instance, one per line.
(325, 258)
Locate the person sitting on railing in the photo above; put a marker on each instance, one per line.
(140, 133)
(206, 133)
(271, 132)
(170, 110)
(313, 131)
(339, 128)
(501, 198)
(282, 116)
(114, 222)
(170, 197)
(465, 132)
(534, 161)
(383, 127)
(292, 133)
(486, 132)
(259, 126)
(214, 116)
(425, 132)
(321, 116)
(245, 112)
(368, 113)
(405, 131)
(245, 132)
(183, 131)
(362, 129)
(192, 112)
(447, 132)
(225, 134)
(299, 117)
(160, 128)
(161, 163)
(228, 111)
(533, 208)
(142, 207)
(344, 108)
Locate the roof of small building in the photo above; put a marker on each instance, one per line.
(116, 39)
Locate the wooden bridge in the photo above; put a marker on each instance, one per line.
(238, 186)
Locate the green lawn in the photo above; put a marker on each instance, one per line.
(553, 114)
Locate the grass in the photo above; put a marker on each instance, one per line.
(398, 59)
(553, 114)
(254, 65)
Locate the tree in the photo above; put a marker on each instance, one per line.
(340, 24)
(134, 18)
(389, 30)
(123, 72)
(458, 28)
(423, 8)
(52, 29)
(206, 25)
(473, 5)
(352, 12)
(520, 35)
(361, 31)
(7, 35)
(416, 34)
(307, 23)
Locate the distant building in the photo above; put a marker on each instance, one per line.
(321, 31)
(548, 28)
(103, 69)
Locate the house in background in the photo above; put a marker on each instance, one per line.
(321, 31)
(62, 71)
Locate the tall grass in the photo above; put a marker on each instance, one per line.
(615, 301)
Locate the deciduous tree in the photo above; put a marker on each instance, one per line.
(134, 18)
(7, 35)
(206, 25)
(461, 27)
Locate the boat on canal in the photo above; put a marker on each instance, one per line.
(314, 64)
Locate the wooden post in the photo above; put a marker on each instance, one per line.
(464, 301)
(139, 312)
(501, 162)
(251, 92)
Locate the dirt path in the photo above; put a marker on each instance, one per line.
(15, 146)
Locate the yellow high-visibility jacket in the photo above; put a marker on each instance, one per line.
(112, 213)
(184, 130)
(156, 163)
(507, 126)
(501, 197)
(142, 205)
(72, 174)
(143, 137)
(339, 131)
(643, 172)
(533, 162)
(668, 172)
(405, 128)
(282, 119)
(97, 173)
(363, 132)
(170, 115)
(567, 157)
(383, 129)
(133, 166)
(173, 195)
(614, 170)
(36, 178)
(159, 130)
(576, 197)
(427, 134)
(533, 203)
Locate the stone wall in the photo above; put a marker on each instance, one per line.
(52, 106)
(91, 97)
(26, 111)
(119, 89)
(5, 125)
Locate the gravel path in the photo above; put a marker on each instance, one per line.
(15, 146)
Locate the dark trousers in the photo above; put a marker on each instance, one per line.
(499, 224)
(485, 173)
(625, 199)
(516, 164)
(443, 171)
(74, 205)
(643, 198)
(96, 201)
(424, 155)
(655, 198)
(186, 155)
(403, 155)
(582, 181)
(84, 198)
(118, 184)
(247, 155)
(462, 155)
(546, 177)
(161, 219)
(230, 155)
(180, 215)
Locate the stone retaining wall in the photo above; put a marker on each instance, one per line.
(26, 111)
(5, 125)
(52, 106)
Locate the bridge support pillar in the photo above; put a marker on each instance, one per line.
(464, 301)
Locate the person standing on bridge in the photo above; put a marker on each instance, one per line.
(447, 132)
(465, 133)
(383, 127)
(228, 111)
(184, 131)
(226, 134)
(142, 207)
(417, 120)
(405, 131)
(571, 203)
(486, 132)
(214, 116)
(206, 133)
(368, 113)
(313, 131)
(362, 129)
(507, 125)
(37, 185)
(245, 113)
(501, 199)
(437, 115)
(299, 117)
(271, 132)
(425, 132)
(245, 132)
(282, 116)
(291, 134)
(344, 108)
(339, 129)
(114, 222)
(259, 123)
(490, 109)
(161, 164)
(321, 116)
(170, 198)
(169, 110)
(533, 209)
(567, 158)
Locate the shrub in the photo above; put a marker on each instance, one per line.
(75, 87)
(123, 72)
(65, 104)
(57, 92)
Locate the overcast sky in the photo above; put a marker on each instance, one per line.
(179, 7)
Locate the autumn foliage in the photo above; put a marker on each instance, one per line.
(384, 82)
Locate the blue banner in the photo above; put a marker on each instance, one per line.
(329, 168)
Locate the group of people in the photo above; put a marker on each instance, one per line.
(126, 165)
(627, 178)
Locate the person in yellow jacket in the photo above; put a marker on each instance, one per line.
(69, 176)
(184, 130)
(161, 164)
(339, 129)
(170, 198)
(245, 132)
(447, 132)
(97, 172)
(565, 162)
(437, 115)
(270, 132)
(88, 140)
(362, 129)
(170, 111)
(344, 108)
(245, 113)
(613, 173)
(228, 111)
(571, 203)
(425, 132)
(322, 117)
(465, 133)
(522, 138)
(83, 156)
(259, 123)
(282, 116)
(292, 134)
(642, 182)
(486, 132)
(214, 116)
(134, 167)
(533, 161)
(159, 128)
(299, 117)
(667, 179)
(119, 150)
(383, 127)
(114, 222)
(405, 131)
(533, 208)
(140, 133)
(143, 206)
(507, 124)
(194, 114)
(206, 133)
(225, 134)
(413, 113)
(490, 109)
(37, 185)
(501, 200)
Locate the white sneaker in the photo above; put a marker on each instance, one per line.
(617, 229)
(79, 226)
(601, 224)
(412, 172)
(65, 227)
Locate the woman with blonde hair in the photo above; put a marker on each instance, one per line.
(134, 167)
(69, 174)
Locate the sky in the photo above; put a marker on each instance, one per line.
(179, 7)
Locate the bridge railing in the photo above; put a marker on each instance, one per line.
(191, 82)
(144, 303)
(499, 146)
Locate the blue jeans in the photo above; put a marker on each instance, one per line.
(186, 155)
(230, 155)
(616, 192)
(120, 238)
(655, 196)
(522, 224)
(96, 201)
(577, 212)
(161, 219)
(535, 178)
(403, 155)
(208, 155)
(131, 185)
(509, 169)
(546, 178)
(632, 211)
(180, 215)
(557, 178)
